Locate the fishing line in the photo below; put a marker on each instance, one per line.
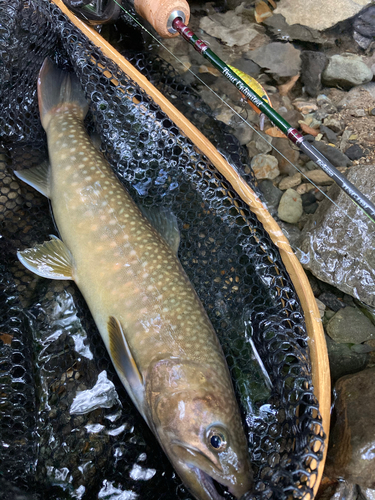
(235, 112)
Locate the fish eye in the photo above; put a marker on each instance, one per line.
(216, 440)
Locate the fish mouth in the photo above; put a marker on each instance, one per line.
(213, 487)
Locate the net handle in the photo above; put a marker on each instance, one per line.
(316, 340)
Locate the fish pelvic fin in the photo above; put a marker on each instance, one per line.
(51, 259)
(125, 363)
(56, 88)
(165, 223)
(37, 177)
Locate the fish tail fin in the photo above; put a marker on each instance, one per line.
(56, 88)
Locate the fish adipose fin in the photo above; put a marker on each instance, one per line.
(51, 259)
(37, 177)
(124, 361)
(165, 222)
(55, 88)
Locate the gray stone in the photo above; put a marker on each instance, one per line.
(331, 301)
(351, 454)
(271, 194)
(340, 250)
(283, 31)
(288, 157)
(334, 155)
(350, 326)
(364, 22)
(318, 14)
(330, 134)
(342, 360)
(290, 207)
(291, 232)
(345, 491)
(243, 133)
(281, 59)
(346, 71)
(230, 28)
(319, 177)
(354, 152)
(362, 348)
(334, 124)
(312, 66)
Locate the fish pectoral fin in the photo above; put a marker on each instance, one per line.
(51, 259)
(37, 177)
(165, 222)
(124, 361)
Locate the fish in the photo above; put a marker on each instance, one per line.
(124, 261)
(257, 87)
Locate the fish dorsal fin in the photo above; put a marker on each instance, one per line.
(165, 222)
(125, 363)
(37, 177)
(51, 259)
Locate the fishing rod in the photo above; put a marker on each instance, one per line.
(168, 18)
(296, 137)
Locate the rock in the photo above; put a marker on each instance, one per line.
(312, 66)
(283, 31)
(319, 177)
(334, 155)
(271, 194)
(230, 28)
(265, 166)
(321, 307)
(354, 152)
(243, 133)
(310, 12)
(350, 326)
(346, 71)
(358, 113)
(351, 453)
(354, 98)
(364, 23)
(304, 106)
(304, 188)
(368, 493)
(225, 115)
(334, 124)
(280, 59)
(362, 348)
(288, 156)
(331, 301)
(308, 198)
(263, 142)
(291, 232)
(290, 207)
(342, 360)
(330, 254)
(345, 491)
(290, 182)
(325, 103)
(330, 134)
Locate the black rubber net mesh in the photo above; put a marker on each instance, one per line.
(67, 427)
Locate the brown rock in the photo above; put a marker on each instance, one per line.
(309, 130)
(305, 107)
(265, 166)
(319, 177)
(290, 182)
(304, 188)
(286, 165)
(352, 447)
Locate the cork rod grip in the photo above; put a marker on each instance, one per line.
(157, 13)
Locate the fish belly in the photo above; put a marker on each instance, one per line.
(122, 266)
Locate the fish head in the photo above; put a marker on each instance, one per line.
(196, 419)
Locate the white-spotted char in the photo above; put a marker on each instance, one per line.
(155, 328)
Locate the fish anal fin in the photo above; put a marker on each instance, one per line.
(124, 361)
(51, 259)
(37, 177)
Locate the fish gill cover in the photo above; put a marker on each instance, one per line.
(67, 427)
